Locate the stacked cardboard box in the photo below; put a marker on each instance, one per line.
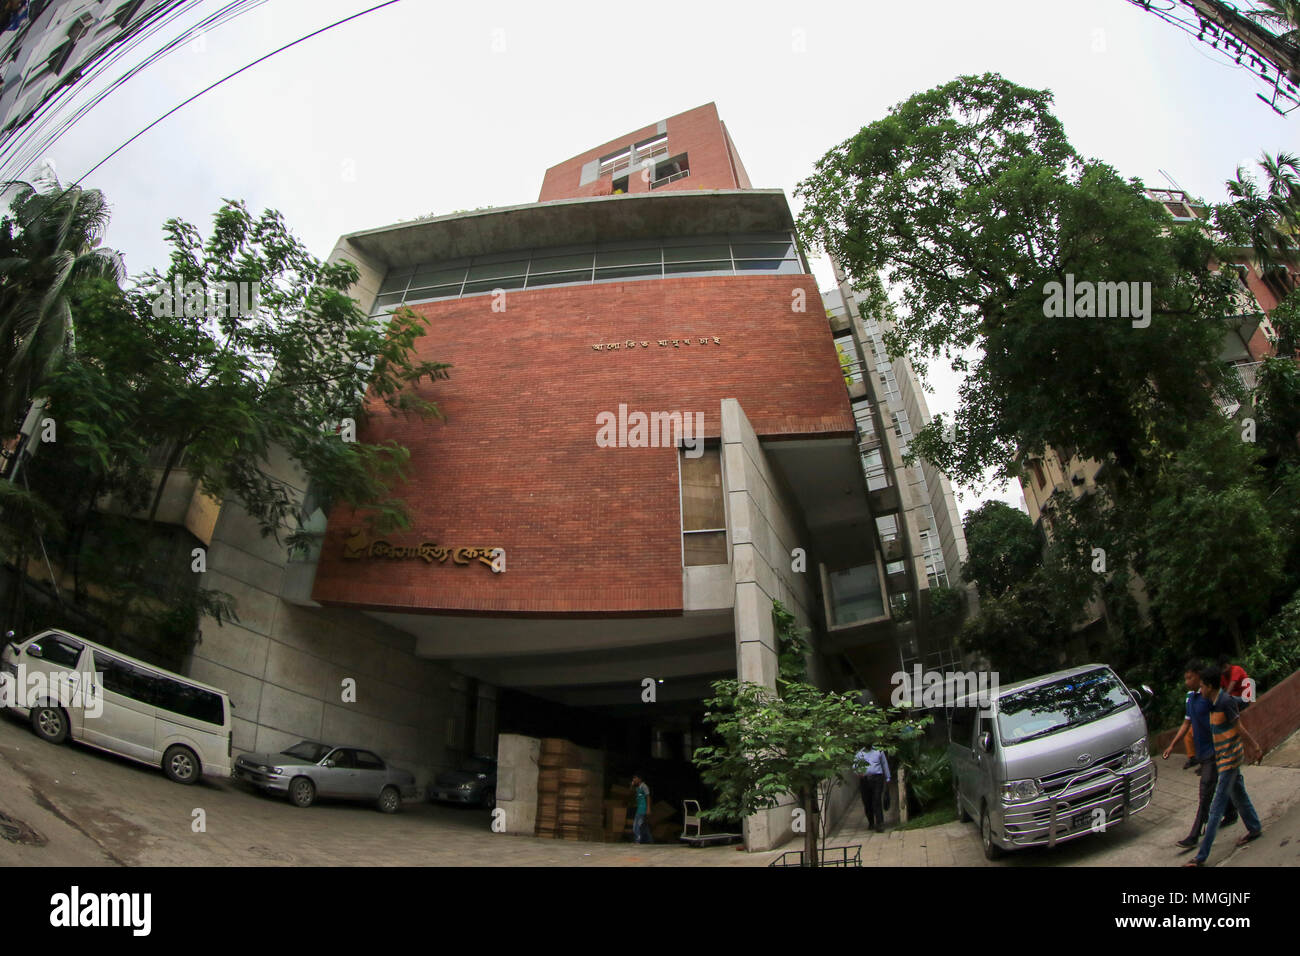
(568, 792)
(618, 816)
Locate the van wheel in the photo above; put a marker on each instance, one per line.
(962, 815)
(302, 792)
(390, 801)
(50, 723)
(181, 764)
(991, 850)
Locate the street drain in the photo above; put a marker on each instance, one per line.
(15, 831)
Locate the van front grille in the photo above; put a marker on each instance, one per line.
(1056, 783)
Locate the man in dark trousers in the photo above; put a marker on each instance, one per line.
(873, 774)
(1196, 722)
(1230, 741)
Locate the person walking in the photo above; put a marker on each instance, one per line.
(1235, 680)
(873, 774)
(1196, 730)
(1229, 753)
(641, 817)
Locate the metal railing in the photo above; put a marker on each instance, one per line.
(670, 179)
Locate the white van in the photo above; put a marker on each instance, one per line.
(139, 711)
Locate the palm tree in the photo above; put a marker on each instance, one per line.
(48, 244)
(1282, 15)
(1268, 217)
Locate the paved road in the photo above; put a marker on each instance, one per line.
(78, 807)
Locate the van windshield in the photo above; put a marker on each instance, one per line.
(1050, 708)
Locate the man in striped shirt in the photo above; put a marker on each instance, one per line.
(1228, 754)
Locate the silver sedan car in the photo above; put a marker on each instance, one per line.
(308, 770)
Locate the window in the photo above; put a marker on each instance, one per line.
(900, 607)
(652, 148)
(888, 384)
(855, 595)
(873, 464)
(670, 170)
(187, 700)
(704, 523)
(126, 679)
(344, 759)
(1037, 469)
(866, 424)
(368, 761)
(962, 725)
(848, 356)
(597, 262)
(616, 162)
(57, 650)
(123, 14)
(887, 528)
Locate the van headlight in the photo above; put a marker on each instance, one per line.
(1018, 791)
(1136, 753)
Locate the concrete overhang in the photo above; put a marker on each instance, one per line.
(825, 477)
(565, 222)
(461, 638)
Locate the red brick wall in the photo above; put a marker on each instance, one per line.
(698, 133)
(516, 465)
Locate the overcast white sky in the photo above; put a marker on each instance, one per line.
(428, 107)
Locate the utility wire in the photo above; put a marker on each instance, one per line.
(248, 66)
(50, 106)
(26, 148)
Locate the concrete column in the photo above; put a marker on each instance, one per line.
(517, 758)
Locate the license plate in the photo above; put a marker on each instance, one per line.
(1080, 821)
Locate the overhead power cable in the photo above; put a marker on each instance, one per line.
(229, 76)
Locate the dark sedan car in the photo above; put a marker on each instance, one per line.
(308, 770)
(475, 784)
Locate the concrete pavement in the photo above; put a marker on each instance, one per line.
(80, 807)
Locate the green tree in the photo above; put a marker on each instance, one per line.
(974, 201)
(1025, 631)
(1213, 552)
(1265, 219)
(1003, 548)
(1282, 16)
(48, 245)
(768, 745)
(240, 392)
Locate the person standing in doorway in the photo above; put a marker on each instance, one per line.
(873, 774)
(641, 816)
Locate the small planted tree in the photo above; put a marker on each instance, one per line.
(794, 739)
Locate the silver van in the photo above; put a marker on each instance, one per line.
(1051, 759)
(69, 687)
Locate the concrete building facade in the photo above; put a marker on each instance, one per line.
(648, 439)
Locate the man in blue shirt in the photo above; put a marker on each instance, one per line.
(1197, 720)
(641, 819)
(873, 773)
